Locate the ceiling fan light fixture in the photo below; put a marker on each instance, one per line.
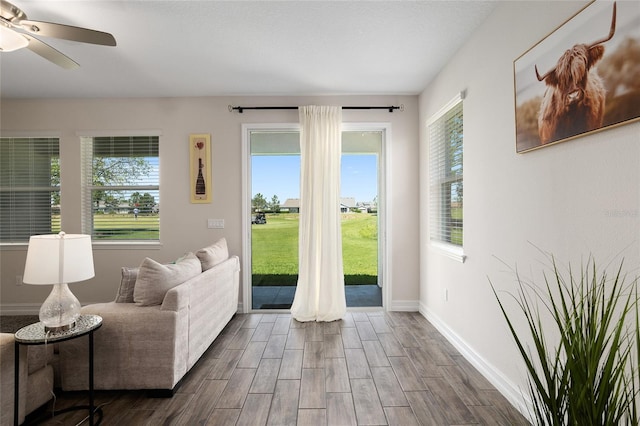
(11, 40)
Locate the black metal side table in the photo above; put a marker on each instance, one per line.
(35, 334)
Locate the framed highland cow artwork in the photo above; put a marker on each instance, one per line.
(583, 77)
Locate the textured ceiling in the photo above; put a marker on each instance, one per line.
(207, 48)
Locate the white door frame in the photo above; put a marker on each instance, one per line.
(384, 213)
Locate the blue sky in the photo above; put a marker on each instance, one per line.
(280, 175)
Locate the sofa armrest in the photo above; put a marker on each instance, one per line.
(137, 347)
(214, 301)
(176, 299)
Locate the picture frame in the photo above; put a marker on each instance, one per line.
(554, 102)
(200, 168)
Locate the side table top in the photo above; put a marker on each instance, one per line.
(34, 334)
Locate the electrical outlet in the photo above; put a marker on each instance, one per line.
(18, 279)
(215, 223)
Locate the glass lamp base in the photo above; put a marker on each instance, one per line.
(61, 309)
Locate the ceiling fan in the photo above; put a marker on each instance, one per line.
(17, 32)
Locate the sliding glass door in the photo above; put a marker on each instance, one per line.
(274, 205)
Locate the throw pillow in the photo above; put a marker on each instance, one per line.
(214, 254)
(127, 283)
(155, 279)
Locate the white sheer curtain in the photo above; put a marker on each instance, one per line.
(320, 291)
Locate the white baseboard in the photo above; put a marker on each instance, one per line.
(404, 305)
(507, 388)
(20, 309)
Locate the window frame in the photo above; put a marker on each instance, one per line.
(87, 155)
(437, 202)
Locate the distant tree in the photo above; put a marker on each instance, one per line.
(55, 180)
(111, 201)
(134, 200)
(274, 205)
(259, 202)
(106, 172)
(145, 202)
(113, 171)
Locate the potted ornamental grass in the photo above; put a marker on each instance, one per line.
(588, 372)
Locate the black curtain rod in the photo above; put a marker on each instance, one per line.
(241, 109)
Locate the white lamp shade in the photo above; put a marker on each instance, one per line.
(11, 40)
(56, 259)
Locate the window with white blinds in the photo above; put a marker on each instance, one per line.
(29, 188)
(445, 133)
(121, 188)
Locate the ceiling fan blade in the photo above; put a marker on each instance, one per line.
(67, 32)
(43, 49)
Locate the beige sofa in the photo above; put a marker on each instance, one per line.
(36, 378)
(142, 345)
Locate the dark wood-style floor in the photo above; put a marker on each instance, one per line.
(372, 368)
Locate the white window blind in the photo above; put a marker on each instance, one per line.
(121, 188)
(445, 133)
(29, 188)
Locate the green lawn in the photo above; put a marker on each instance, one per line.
(274, 249)
(120, 226)
(126, 227)
(274, 245)
(456, 232)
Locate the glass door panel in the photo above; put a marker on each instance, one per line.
(275, 206)
(359, 184)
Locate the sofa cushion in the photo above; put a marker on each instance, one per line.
(127, 284)
(155, 279)
(214, 254)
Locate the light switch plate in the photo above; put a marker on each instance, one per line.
(215, 223)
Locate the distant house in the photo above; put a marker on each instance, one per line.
(367, 206)
(347, 204)
(292, 205)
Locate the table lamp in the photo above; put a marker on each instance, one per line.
(59, 259)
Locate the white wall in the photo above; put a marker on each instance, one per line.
(573, 199)
(184, 225)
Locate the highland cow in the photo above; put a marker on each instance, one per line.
(574, 100)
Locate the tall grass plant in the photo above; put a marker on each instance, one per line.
(586, 374)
